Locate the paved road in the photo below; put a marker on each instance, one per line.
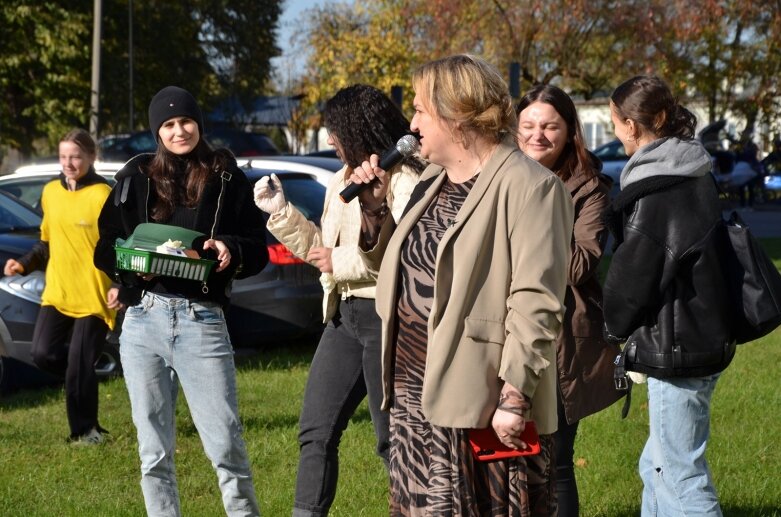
(764, 221)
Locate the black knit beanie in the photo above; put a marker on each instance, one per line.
(170, 102)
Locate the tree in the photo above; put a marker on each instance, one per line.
(726, 52)
(44, 71)
(214, 48)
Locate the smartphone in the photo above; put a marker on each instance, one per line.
(487, 447)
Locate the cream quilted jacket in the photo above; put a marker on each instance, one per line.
(341, 225)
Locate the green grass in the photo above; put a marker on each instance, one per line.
(41, 475)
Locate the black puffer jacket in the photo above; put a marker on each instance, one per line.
(665, 291)
(226, 212)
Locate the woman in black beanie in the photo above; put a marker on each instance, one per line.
(174, 330)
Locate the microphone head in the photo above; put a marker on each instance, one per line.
(407, 145)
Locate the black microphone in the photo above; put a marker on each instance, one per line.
(406, 146)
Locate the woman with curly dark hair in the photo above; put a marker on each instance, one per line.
(174, 332)
(361, 121)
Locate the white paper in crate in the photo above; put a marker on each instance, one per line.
(151, 236)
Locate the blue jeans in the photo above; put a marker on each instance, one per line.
(675, 474)
(164, 342)
(346, 367)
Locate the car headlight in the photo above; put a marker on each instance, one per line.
(28, 287)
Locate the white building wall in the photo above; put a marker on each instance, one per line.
(598, 129)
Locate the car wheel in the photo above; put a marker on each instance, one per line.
(108, 363)
(4, 382)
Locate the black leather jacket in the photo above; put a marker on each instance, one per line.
(665, 290)
(225, 212)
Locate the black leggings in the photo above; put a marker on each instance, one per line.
(566, 486)
(69, 347)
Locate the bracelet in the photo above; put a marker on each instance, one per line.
(515, 403)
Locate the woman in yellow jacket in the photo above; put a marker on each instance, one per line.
(71, 328)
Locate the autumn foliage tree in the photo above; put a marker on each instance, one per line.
(724, 52)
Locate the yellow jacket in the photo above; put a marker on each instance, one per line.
(74, 286)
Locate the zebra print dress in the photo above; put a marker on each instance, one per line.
(431, 468)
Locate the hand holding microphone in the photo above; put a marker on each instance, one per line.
(374, 169)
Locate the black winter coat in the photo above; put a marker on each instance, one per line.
(665, 291)
(225, 212)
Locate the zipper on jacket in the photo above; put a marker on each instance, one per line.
(146, 202)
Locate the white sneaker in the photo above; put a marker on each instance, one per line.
(93, 437)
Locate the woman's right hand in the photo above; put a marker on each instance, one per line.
(13, 267)
(372, 197)
(269, 195)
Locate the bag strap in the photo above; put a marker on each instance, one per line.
(623, 382)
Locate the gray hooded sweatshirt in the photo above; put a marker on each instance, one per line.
(668, 156)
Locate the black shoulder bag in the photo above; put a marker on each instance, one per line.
(753, 281)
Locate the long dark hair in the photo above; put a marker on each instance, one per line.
(574, 159)
(365, 121)
(648, 101)
(169, 172)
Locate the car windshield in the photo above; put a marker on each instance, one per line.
(611, 151)
(306, 194)
(303, 191)
(29, 189)
(16, 216)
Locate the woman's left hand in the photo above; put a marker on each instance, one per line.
(321, 259)
(112, 299)
(223, 254)
(508, 427)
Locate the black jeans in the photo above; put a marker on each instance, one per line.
(566, 485)
(346, 367)
(69, 347)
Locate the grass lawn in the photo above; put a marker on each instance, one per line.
(41, 475)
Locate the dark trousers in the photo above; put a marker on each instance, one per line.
(69, 347)
(346, 367)
(566, 486)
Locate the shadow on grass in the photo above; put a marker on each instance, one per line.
(296, 354)
(31, 397)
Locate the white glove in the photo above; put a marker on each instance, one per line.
(269, 195)
(637, 377)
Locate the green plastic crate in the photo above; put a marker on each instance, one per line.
(143, 261)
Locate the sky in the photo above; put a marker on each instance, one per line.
(291, 64)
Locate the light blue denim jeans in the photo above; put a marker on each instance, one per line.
(167, 341)
(675, 474)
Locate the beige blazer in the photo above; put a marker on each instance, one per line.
(500, 278)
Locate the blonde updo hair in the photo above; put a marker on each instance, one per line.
(469, 95)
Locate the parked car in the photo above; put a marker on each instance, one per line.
(613, 159)
(320, 168)
(325, 153)
(26, 183)
(241, 143)
(284, 301)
